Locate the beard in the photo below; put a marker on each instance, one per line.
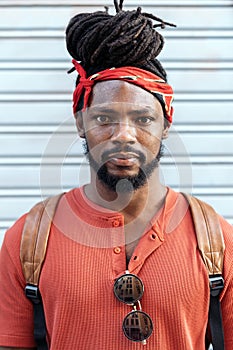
(123, 184)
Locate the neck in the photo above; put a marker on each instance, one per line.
(147, 200)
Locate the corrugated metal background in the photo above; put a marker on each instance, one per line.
(35, 101)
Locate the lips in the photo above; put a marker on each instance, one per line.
(123, 159)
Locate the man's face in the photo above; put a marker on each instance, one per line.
(123, 127)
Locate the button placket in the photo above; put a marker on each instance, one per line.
(147, 245)
(118, 243)
(158, 232)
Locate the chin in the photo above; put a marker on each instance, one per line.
(122, 184)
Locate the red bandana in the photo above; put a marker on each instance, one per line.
(133, 75)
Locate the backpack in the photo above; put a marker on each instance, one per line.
(209, 239)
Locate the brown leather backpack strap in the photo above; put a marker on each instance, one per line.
(211, 245)
(209, 234)
(35, 238)
(32, 254)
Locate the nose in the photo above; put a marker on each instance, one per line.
(124, 133)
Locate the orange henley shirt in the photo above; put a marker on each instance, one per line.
(86, 252)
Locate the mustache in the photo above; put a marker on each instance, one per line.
(125, 149)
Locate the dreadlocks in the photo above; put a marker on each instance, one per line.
(100, 40)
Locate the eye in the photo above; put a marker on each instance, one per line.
(145, 120)
(103, 119)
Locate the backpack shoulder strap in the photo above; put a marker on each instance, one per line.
(32, 254)
(35, 238)
(211, 245)
(209, 234)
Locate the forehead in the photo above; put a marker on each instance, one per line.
(113, 91)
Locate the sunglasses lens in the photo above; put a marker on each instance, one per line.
(128, 289)
(137, 326)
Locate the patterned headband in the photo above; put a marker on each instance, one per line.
(133, 75)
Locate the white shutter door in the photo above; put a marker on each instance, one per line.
(36, 124)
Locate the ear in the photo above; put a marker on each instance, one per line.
(79, 124)
(166, 131)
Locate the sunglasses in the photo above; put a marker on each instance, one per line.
(137, 325)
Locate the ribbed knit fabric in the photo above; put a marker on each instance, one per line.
(86, 253)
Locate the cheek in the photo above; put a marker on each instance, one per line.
(97, 140)
(97, 134)
(152, 149)
(150, 145)
(150, 141)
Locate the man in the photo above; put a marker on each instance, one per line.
(122, 267)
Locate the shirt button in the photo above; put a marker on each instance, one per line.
(117, 250)
(115, 223)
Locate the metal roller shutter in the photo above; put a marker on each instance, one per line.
(39, 151)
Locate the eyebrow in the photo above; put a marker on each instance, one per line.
(102, 110)
(113, 111)
(141, 111)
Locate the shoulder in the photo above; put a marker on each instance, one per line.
(227, 228)
(13, 235)
(10, 252)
